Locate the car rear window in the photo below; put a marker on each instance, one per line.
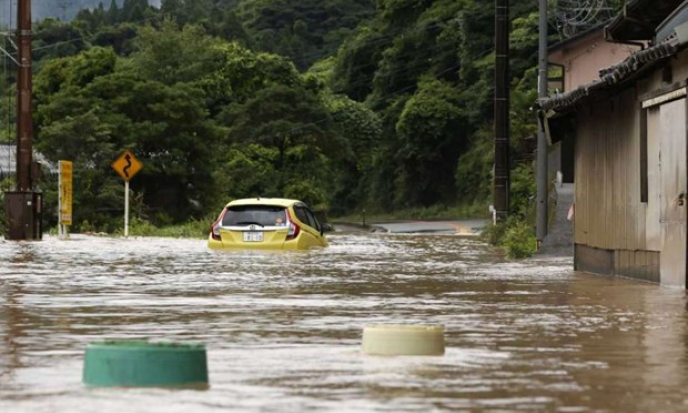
(264, 215)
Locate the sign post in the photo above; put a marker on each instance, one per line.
(126, 209)
(126, 166)
(65, 198)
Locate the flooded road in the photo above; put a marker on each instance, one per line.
(283, 330)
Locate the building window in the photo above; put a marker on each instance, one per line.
(643, 155)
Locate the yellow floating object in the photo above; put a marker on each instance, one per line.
(403, 340)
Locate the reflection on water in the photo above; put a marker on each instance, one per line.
(283, 330)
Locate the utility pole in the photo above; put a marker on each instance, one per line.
(23, 206)
(24, 86)
(501, 109)
(63, 6)
(541, 210)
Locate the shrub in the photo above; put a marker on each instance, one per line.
(191, 229)
(494, 233)
(523, 190)
(520, 241)
(140, 227)
(515, 235)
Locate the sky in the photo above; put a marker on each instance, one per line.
(41, 9)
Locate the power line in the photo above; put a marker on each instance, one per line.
(403, 68)
(434, 25)
(431, 26)
(396, 92)
(379, 39)
(577, 16)
(139, 21)
(63, 5)
(406, 68)
(384, 38)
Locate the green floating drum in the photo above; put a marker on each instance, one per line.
(144, 364)
(403, 340)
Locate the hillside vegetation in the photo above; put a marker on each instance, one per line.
(346, 104)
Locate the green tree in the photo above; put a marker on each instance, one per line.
(170, 55)
(430, 133)
(73, 73)
(394, 112)
(361, 128)
(53, 39)
(357, 61)
(289, 128)
(282, 117)
(240, 74)
(113, 12)
(120, 37)
(88, 111)
(303, 30)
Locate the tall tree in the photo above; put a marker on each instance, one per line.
(303, 30)
(113, 12)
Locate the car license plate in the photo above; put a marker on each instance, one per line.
(253, 237)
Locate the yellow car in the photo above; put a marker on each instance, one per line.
(266, 223)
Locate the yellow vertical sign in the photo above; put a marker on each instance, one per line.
(65, 196)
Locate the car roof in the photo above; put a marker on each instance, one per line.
(282, 202)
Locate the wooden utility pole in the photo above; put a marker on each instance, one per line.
(24, 123)
(23, 206)
(501, 110)
(541, 176)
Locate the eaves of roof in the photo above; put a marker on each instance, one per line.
(614, 76)
(639, 19)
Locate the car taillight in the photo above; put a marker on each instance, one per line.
(294, 229)
(215, 228)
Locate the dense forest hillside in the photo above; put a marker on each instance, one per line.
(347, 104)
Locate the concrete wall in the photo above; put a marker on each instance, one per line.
(583, 59)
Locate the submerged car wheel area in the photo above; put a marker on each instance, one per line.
(266, 223)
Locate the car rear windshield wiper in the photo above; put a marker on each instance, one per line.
(249, 223)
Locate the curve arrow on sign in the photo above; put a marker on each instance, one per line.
(128, 159)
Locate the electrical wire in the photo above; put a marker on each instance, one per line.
(431, 26)
(383, 97)
(396, 92)
(576, 16)
(82, 38)
(385, 38)
(434, 25)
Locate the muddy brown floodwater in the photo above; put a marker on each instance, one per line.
(283, 330)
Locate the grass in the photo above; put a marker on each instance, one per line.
(435, 212)
(191, 229)
(140, 228)
(200, 228)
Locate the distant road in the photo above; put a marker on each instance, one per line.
(468, 227)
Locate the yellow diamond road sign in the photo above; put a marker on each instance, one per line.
(127, 165)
